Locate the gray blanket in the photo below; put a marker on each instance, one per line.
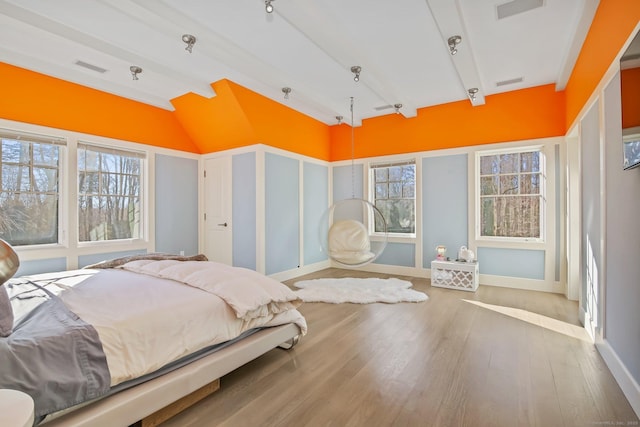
(55, 357)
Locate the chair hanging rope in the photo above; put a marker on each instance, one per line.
(353, 232)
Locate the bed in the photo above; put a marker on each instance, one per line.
(115, 343)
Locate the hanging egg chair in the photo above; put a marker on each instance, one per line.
(347, 232)
(353, 232)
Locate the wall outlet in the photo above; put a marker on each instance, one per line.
(181, 253)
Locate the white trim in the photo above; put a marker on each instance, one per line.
(625, 380)
(522, 283)
(297, 272)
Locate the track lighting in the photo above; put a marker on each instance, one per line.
(268, 6)
(472, 93)
(454, 41)
(190, 41)
(286, 91)
(135, 70)
(356, 70)
(339, 119)
(397, 107)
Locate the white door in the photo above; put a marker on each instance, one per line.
(218, 245)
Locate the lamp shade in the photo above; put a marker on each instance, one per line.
(9, 262)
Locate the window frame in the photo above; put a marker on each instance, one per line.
(370, 182)
(543, 208)
(62, 143)
(143, 196)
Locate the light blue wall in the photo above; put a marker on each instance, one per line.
(522, 263)
(342, 182)
(400, 254)
(85, 260)
(176, 205)
(622, 323)
(444, 205)
(282, 216)
(591, 203)
(28, 268)
(315, 198)
(244, 210)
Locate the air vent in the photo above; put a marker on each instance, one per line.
(515, 7)
(383, 107)
(91, 67)
(509, 82)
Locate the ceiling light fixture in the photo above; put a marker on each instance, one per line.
(286, 91)
(453, 42)
(397, 107)
(135, 70)
(339, 119)
(356, 70)
(472, 93)
(268, 6)
(190, 41)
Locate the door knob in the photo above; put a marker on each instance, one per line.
(223, 224)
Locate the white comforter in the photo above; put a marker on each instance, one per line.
(145, 322)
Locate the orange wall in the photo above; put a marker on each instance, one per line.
(524, 114)
(611, 27)
(630, 81)
(238, 117)
(30, 97)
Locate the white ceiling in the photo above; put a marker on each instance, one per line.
(307, 45)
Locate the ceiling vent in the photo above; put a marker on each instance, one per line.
(509, 82)
(91, 67)
(515, 7)
(383, 107)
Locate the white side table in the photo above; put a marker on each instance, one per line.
(16, 409)
(455, 275)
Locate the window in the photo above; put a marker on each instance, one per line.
(394, 194)
(512, 194)
(29, 188)
(109, 193)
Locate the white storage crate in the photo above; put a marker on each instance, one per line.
(455, 275)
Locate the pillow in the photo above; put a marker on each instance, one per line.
(6, 313)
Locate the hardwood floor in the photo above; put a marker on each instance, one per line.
(496, 357)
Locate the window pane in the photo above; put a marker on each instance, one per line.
(395, 197)
(382, 191)
(510, 200)
(509, 184)
(489, 185)
(395, 173)
(530, 162)
(409, 190)
(395, 190)
(29, 193)
(489, 165)
(45, 155)
(509, 163)
(382, 175)
(530, 183)
(109, 195)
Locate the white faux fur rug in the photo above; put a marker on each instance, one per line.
(359, 291)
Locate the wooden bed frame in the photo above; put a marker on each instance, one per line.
(190, 383)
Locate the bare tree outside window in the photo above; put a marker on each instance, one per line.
(512, 194)
(394, 194)
(108, 194)
(29, 181)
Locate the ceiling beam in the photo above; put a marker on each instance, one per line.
(317, 20)
(448, 17)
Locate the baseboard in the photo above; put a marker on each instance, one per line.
(392, 269)
(521, 283)
(627, 383)
(297, 272)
